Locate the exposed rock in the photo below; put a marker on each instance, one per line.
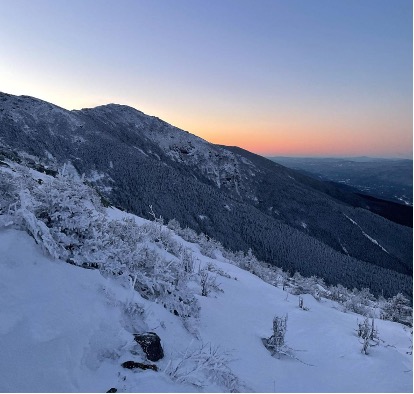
(134, 365)
(151, 345)
(112, 390)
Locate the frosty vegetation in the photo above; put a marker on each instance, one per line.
(368, 335)
(211, 361)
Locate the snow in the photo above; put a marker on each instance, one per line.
(324, 337)
(140, 151)
(63, 328)
(374, 241)
(49, 313)
(58, 321)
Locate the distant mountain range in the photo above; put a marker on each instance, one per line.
(239, 198)
(389, 179)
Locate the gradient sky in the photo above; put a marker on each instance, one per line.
(277, 77)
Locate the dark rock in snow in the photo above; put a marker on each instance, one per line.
(151, 345)
(134, 365)
(112, 390)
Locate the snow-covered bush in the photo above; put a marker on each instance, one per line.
(188, 235)
(8, 192)
(204, 363)
(338, 293)
(207, 248)
(398, 309)
(187, 261)
(208, 282)
(157, 233)
(360, 301)
(303, 285)
(368, 334)
(174, 225)
(276, 343)
(65, 217)
(213, 268)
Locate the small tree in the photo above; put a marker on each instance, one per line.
(368, 334)
(208, 283)
(398, 309)
(276, 343)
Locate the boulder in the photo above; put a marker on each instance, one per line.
(151, 345)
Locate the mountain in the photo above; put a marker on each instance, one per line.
(390, 179)
(239, 198)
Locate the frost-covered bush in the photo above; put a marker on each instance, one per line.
(397, 309)
(338, 293)
(204, 363)
(174, 225)
(67, 220)
(60, 214)
(162, 236)
(276, 343)
(360, 301)
(8, 192)
(187, 261)
(188, 235)
(368, 335)
(213, 268)
(208, 282)
(207, 248)
(303, 285)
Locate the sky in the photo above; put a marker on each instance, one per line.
(276, 77)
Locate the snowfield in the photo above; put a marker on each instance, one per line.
(65, 329)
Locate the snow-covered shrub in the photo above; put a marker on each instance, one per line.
(248, 262)
(368, 334)
(187, 261)
(60, 214)
(360, 301)
(188, 235)
(204, 363)
(338, 293)
(276, 343)
(213, 268)
(8, 192)
(208, 246)
(162, 236)
(398, 309)
(208, 282)
(303, 285)
(174, 225)
(66, 218)
(37, 229)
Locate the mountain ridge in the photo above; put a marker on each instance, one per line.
(241, 199)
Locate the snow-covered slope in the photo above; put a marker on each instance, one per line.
(64, 328)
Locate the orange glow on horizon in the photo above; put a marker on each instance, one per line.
(307, 140)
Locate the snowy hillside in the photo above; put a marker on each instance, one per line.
(63, 328)
(67, 328)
